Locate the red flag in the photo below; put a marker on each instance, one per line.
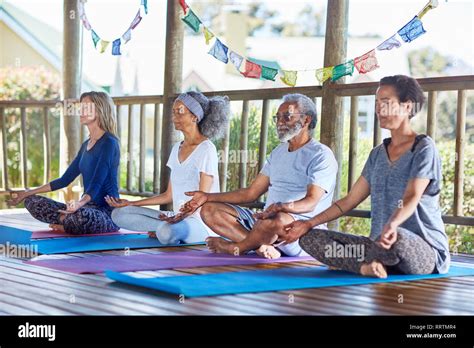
(252, 70)
(184, 5)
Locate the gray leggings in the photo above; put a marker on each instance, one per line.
(410, 254)
(189, 230)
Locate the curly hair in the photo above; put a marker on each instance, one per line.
(305, 106)
(407, 89)
(216, 114)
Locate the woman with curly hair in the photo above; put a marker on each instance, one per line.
(194, 166)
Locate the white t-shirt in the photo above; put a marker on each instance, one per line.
(185, 176)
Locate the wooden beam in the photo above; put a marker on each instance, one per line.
(172, 83)
(335, 50)
(71, 76)
(460, 144)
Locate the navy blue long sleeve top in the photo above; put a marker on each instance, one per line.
(99, 169)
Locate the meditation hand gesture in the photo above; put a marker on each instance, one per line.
(71, 207)
(17, 197)
(270, 212)
(388, 236)
(295, 230)
(199, 198)
(116, 202)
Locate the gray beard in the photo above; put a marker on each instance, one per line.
(290, 134)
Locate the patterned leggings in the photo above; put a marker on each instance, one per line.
(91, 218)
(410, 254)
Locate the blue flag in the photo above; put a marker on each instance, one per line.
(219, 51)
(116, 47)
(412, 30)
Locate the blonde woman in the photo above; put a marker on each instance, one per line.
(98, 162)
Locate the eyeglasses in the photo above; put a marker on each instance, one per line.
(286, 117)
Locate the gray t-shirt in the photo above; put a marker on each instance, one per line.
(291, 172)
(388, 181)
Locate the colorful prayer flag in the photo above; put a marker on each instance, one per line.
(389, 43)
(192, 20)
(429, 6)
(366, 63)
(95, 38)
(208, 35)
(289, 77)
(343, 69)
(145, 6)
(103, 45)
(252, 70)
(127, 36)
(85, 22)
(412, 30)
(324, 74)
(136, 20)
(219, 51)
(116, 47)
(269, 73)
(236, 59)
(184, 5)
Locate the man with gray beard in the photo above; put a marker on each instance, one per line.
(299, 176)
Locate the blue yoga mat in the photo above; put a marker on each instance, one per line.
(16, 236)
(267, 280)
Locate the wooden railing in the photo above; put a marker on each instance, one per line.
(460, 84)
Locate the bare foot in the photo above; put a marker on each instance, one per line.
(57, 227)
(152, 234)
(268, 252)
(219, 245)
(373, 269)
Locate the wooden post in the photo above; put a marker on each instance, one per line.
(72, 71)
(172, 83)
(332, 121)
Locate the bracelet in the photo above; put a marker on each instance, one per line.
(337, 205)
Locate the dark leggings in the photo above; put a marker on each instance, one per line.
(410, 254)
(89, 219)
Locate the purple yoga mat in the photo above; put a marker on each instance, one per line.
(148, 262)
(56, 234)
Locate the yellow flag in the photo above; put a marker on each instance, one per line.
(289, 77)
(429, 6)
(103, 45)
(208, 35)
(323, 74)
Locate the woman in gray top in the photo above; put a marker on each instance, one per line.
(403, 177)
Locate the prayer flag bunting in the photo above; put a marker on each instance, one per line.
(412, 30)
(85, 22)
(269, 73)
(429, 6)
(184, 5)
(323, 74)
(95, 38)
(289, 77)
(192, 20)
(145, 6)
(252, 70)
(208, 35)
(366, 63)
(343, 69)
(116, 47)
(103, 45)
(219, 51)
(236, 59)
(136, 20)
(127, 36)
(390, 43)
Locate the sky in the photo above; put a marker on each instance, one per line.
(450, 27)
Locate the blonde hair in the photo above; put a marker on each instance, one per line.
(104, 110)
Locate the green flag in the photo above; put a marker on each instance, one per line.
(269, 73)
(192, 20)
(343, 70)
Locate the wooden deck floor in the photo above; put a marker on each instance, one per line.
(32, 290)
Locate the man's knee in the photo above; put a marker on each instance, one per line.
(210, 212)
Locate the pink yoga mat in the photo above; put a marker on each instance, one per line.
(168, 260)
(56, 234)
